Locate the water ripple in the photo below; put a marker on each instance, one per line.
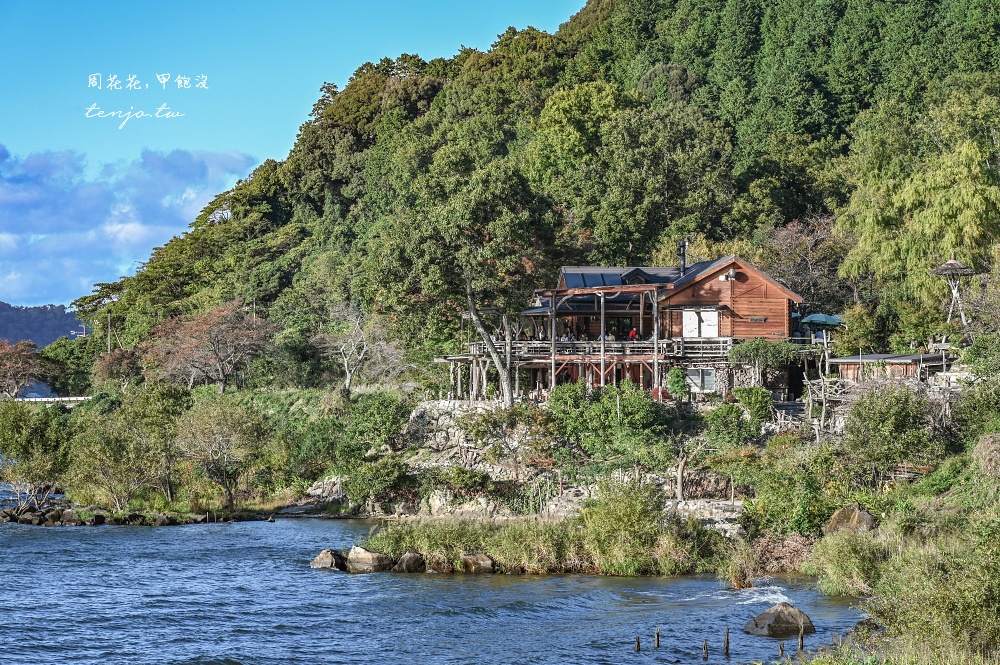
(243, 594)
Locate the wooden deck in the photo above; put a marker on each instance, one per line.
(667, 349)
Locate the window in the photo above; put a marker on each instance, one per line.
(701, 379)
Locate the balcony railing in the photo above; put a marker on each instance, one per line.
(688, 347)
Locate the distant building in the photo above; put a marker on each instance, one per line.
(920, 366)
(607, 324)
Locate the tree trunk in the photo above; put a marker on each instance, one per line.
(503, 369)
(681, 463)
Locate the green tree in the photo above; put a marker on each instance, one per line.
(109, 456)
(33, 454)
(888, 425)
(224, 438)
(761, 355)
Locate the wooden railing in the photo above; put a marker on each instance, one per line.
(689, 347)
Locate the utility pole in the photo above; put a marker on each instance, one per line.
(109, 332)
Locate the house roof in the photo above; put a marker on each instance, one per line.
(579, 277)
(622, 285)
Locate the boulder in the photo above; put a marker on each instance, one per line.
(164, 520)
(70, 518)
(439, 565)
(198, 519)
(782, 620)
(360, 560)
(477, 563)
(411, 562)
(851, 517)
(333, 559)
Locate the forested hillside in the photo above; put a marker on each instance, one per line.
(846, 146)
(42, 325)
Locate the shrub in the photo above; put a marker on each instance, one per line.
(983, 356)
(757, 401)
(889, 425)
(677, 383)
(847, 563)
(977, 411)
(622, 527)
(740, 566)
(791, 485)
(377, 481)
(376, 420)
(615, 421)
(728, 427)
(945, 595)
(987, 455)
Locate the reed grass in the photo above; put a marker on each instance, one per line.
(624, 532)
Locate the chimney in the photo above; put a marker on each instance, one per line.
(682, 253)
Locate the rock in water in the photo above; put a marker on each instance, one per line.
(360, 560)
(782, 620)
(477, 563)
(330, 559)
(851, 517)
(411, 562)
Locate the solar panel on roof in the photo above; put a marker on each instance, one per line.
(574, 280)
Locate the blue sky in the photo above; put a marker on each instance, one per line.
(85, 199)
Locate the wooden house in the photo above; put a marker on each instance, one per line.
(901, 366)
(606, 324)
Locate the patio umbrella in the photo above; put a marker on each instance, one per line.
(822, 320)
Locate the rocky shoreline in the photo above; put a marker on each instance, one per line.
(360, 560)
(60, 513)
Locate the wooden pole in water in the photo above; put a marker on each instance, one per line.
(781, 650)
(656, 638)
(704, 650)
(725, 643)
(801, 635)
(637, 646)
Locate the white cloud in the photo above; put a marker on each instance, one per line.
(60, 229)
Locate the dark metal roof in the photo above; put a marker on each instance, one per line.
(579, 277)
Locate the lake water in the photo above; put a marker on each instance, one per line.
(243, 593)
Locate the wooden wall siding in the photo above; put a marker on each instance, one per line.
(775, 313)
(749, 295)
(851, 372)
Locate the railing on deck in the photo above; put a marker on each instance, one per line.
(707, 347)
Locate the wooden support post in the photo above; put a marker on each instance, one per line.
(604, 335)
(517, 379)
(460, 395)
(781, 650)
(725, 644)
(474, 379)
(642, 311)
(655, 296)
(656, 638)
(704, 650)
(552, 341)
(801, 636)
(638, 647)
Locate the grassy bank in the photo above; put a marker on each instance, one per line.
(624, 532)
(930, 575)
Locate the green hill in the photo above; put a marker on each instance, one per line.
(757, 126)
(42, 325)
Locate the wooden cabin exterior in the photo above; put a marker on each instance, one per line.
(898, 366)
(687, 316)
